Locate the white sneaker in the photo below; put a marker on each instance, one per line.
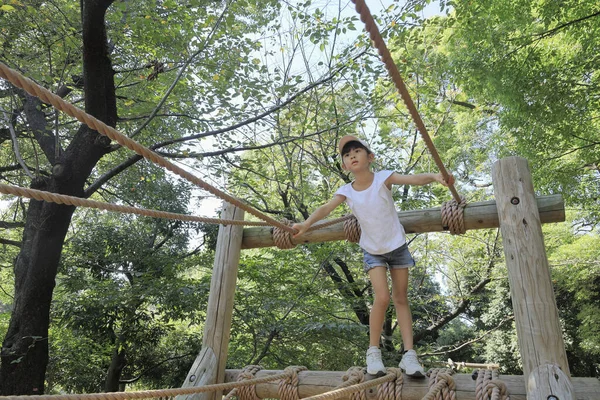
(411, 365)
(374, 364)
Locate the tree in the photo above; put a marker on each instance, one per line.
(66, 160)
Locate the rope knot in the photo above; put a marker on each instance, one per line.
(441, 384)
(352, 229)
(247, 392)
(453, 216)
(288, 387)
(392, 390)
(283, 238)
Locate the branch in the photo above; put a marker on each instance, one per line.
(468, 342)
(11, 225)
(10, 242)
(180, 74)
(462, 306)
(133, 380)
(13, 136)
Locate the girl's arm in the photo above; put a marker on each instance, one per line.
(318, 214)
(417, 179)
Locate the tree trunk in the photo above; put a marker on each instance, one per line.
(113, 375)
(25, 347)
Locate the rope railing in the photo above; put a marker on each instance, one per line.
(157, 393)
(42, 195)
(57, 102)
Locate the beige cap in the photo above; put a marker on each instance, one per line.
(350, 138)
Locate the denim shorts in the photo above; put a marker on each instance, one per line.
(399, 258)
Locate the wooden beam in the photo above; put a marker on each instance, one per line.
(209, 366)
(536, 315)
(477, 215)
(312, 383)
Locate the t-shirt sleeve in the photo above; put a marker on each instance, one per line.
(342, 191)
(382, 176)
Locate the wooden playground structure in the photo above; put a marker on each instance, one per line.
(517, 212)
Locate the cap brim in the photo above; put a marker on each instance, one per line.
(350, 138)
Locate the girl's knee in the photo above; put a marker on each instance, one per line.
(381, 300)
(400, 299)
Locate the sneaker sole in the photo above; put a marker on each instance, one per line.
(377, 374)
(416, 374)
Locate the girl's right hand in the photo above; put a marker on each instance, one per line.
(300, 228)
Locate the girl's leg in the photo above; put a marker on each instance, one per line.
(400, 298)
(378, 277)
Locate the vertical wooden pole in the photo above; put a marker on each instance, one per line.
(545, 366)
(209, 366)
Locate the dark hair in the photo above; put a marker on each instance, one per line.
(354, 144)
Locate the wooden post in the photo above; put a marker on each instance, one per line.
(536, 315)
(209, 366)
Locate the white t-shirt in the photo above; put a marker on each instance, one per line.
(381, 231)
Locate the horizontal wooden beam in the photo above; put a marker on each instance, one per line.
(312, 383)
(479, 215)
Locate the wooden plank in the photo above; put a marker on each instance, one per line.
(209, 366)
(477, 215)
(536, 315)
(312, 383)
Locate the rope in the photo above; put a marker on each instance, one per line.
(452, 216)
(245, 392)
(441, 385)
(288, 387)
(81, 202)
(344, 392)
(489, 386)
(148, 394)
(48, 97)
(392, 390)
(386, 57)
(353, 376)
(352, 229)
(283, 238)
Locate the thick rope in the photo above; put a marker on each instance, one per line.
(283, 238)
(344, 392)
(452, 216)
(150, 394)
(245, 392)
(288, 386)
(81, 202)
(386, 57)
(441, 385)
(352, 229)
(354, 376)
(392, 390)
(48, 97)
(489, 386)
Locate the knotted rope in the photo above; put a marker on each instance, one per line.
(245, 392)
(392, 390)
(441, 385)
(345, 391)
(489, 386)
(283, 238)
(288, 387)
(353, 376)
(352, 229)
(452, 216)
